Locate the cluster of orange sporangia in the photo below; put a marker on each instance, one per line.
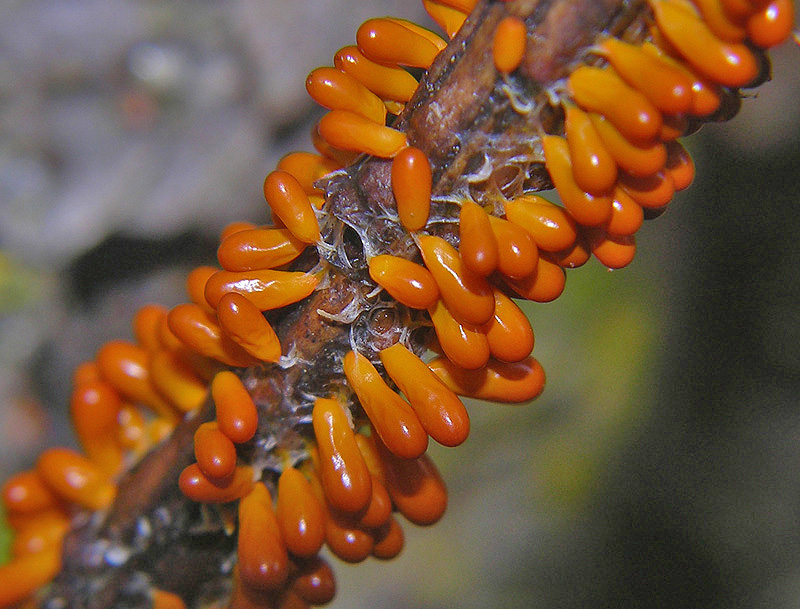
(617, 160)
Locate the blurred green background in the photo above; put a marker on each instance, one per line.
(658, 469)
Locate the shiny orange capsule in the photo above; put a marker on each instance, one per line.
(508, 44)
(464, 344)
(394, 107)
(667, 88)
(348, 541)
(366, 444)
(285, 599)
(176, 380)
(342, 471)
(439, 410)
(214, 451)
(235, 227)
(393, 419)
(407, 282)
(45, 531)
(307, 168)
(350, 131)
(94, 408)
(300, 514)
(738, 11)
(509, 332)
(132, 429)
(613, 252)
(21, 577)
(550, 226)
(585, 208)
(602, 91)
(337, 90)
(680, 166)
(166, 600)
(387, 82)
(85, 372)
(315, 582)
(26, 493)
(241, 320)
(467, 295)
(512, 382)
(237, 415)
(267, 289)
(448, 18)
(706, 95)
(317, 201)
(202, 489)
(636, 160)
(658, 40)
(75, 479)
(593, 167)
(477, 243)
(244, 597)
(262, 557)
(339, 156)
(343, 535)
(289, 202)
(771, 25)
(652, 191)
(430, 36)
(126, 367)
(730, 64)
(260, 248)
(196, 285)
(379, 509)
(573, 257)
(517, 254)
(465, 6)
(389, 42)
(626, 215)
(719, 22)
(411, 185)
(146, 322)
(166, 338)
(389, 540)
(200, 331)
(415, 486)
(545, 285)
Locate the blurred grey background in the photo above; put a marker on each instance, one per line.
(659, 468)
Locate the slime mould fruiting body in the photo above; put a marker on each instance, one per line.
(289, 404)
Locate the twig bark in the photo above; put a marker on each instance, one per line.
(481, 134)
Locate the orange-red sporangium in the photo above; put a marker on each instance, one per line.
(289, 403)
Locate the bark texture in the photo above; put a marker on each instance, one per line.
(481, 133)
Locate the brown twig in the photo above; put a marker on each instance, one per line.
(467, 119)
